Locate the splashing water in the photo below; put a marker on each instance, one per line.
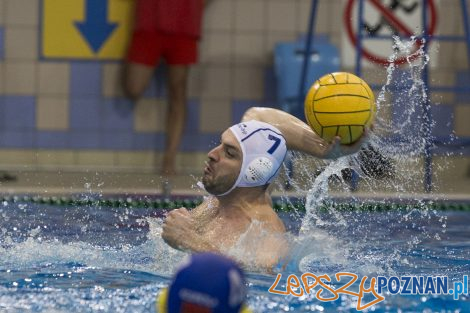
(334, 239)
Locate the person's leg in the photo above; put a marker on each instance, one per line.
(144, 51)
(136, 79)
(176, 115)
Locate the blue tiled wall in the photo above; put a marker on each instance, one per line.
(2, 43)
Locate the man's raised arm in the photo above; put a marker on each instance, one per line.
(299, 136)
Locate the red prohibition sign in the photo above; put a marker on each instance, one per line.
(395, 22)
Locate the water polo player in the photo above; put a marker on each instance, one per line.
(238, 218)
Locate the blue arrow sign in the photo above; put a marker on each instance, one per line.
(95, 28)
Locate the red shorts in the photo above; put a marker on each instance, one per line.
(149, 47)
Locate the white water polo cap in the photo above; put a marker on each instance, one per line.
(263, 149)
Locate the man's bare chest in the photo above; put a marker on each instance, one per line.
(221, 231)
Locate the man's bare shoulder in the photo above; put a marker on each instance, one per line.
(207, 204)
(266, 215)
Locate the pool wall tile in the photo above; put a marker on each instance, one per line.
(18, 157)
(85, 79)
(443, 116)
(216, 82)
(216, 48)
(55, 157)
(86, 114)
(199, 142)
(150, 115)
(52, 139)
(192, 119)
(149, 141)
(214, 115)
(95, 158)
(21, 43)
(249, 50)
(20, 78)
(281, 16)
(220, 16)
(2, 42)
(54, 78)
(135, 159)
(117, 140)
(239, 107)
(248, 82)
(84, 139)
(250, 16)
(195, 81)
(17, 139)
(21, 12)
(19, 112)
(117, 115)
(2, 79)
(2, 14)
(52, 113)
(462, 115)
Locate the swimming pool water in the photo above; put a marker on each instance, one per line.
(101, 259)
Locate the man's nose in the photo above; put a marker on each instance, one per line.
(214, 153)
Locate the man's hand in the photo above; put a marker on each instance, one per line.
(335, 149)
(178, 229)
(179, 232)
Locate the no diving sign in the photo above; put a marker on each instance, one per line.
(382, 19)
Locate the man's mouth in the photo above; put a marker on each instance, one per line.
(207, 169)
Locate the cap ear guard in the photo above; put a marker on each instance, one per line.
(259, 170)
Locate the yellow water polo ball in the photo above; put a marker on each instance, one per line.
(340, 104)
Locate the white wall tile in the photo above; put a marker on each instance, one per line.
(195, 81)
(22, 12)
(21, 43)
(52, 113)
(150, 115)
(23, 158)
(216, 48)
(216, 82)
(250, 15)
(215, 115)
(219, 15)
(191, 163)
(249, 82)
(54, 78)
(250, 48)
(282, 15)
(53, 158)
(2, 12)
(329, 16)
(96, 158)
(138, 160)
(462, 115)
(21, 78)
(303, 13)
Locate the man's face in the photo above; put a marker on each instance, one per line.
(223, 166)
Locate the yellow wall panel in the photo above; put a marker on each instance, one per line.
(62, 38)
